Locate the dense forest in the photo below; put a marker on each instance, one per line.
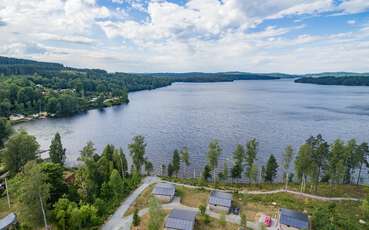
(218, 77)
(362, 80)
(28, 87)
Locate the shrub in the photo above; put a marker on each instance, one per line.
(202, 209)
(222, 219)
(136, 218)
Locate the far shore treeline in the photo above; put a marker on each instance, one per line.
(31, 88)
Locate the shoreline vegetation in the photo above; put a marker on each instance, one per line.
(361, 80)
(84, 196)
(35, 90)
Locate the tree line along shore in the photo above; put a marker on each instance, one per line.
(84, 196)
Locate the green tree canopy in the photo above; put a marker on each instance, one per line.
(271, 169)
(156, 214)
(34, 192)
(5, 130)
(214, 151)
(176, 162)
(57, 152)
(238, 158)
(19, 149)
(137, 151)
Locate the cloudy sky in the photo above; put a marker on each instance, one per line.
(291, 36)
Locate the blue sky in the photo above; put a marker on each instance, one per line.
(291, 36)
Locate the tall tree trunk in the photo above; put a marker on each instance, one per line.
(358, 178)
(286, 185)
(43, 211)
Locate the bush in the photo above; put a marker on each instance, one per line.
(136, 218)
(202, 209)
(222, 219)
(206, 219)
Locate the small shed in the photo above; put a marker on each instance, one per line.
(8, 222)
(293, 220)
(220, 201)
(164, 192)
(180, 219)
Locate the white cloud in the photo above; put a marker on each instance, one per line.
(354, 6)
(351, 22)
(199, 35)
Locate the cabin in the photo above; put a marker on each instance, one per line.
(180, 219)
(292, 220)
(164, 192)
(8, 222)
(220, 201)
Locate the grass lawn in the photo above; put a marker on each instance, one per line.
(142, 201)
(192, 197)
(251, 205)
(214, 225)
(200, 225)
(4, 208)
(144, 223)
(324, 189)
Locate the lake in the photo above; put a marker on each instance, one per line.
(275, 112)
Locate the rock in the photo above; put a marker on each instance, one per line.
(362, 221)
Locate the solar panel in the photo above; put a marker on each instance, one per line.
(181, 219)
(220, 198)
(164, 189)
(8, 220)
(294, 219)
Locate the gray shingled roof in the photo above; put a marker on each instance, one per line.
(294, 219)
(8, 220)
(181, 219)
(220, 199)
(164, 189)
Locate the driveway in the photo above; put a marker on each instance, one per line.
(116, 221)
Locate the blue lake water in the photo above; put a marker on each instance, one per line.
(275, 112)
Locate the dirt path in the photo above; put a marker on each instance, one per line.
(307, 195)
(116, 221)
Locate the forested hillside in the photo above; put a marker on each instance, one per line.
(362, 80)
(28, 87)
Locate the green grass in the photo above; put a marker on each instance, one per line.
(324, 189)
(347, 211)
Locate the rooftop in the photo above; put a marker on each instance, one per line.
(164, 189)
(220, 198)
(293, 218)
(181, 219)
(8, 220)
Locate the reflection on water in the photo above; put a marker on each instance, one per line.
(277, 113)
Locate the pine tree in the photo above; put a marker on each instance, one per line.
(57, 152)
(271, 169)
(214, 151)
(176, 162)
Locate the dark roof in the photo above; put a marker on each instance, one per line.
(164, 189)
(8, 220)
(181, 219)
(293, 218)
(220, 198)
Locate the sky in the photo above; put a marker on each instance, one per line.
(289, 36)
